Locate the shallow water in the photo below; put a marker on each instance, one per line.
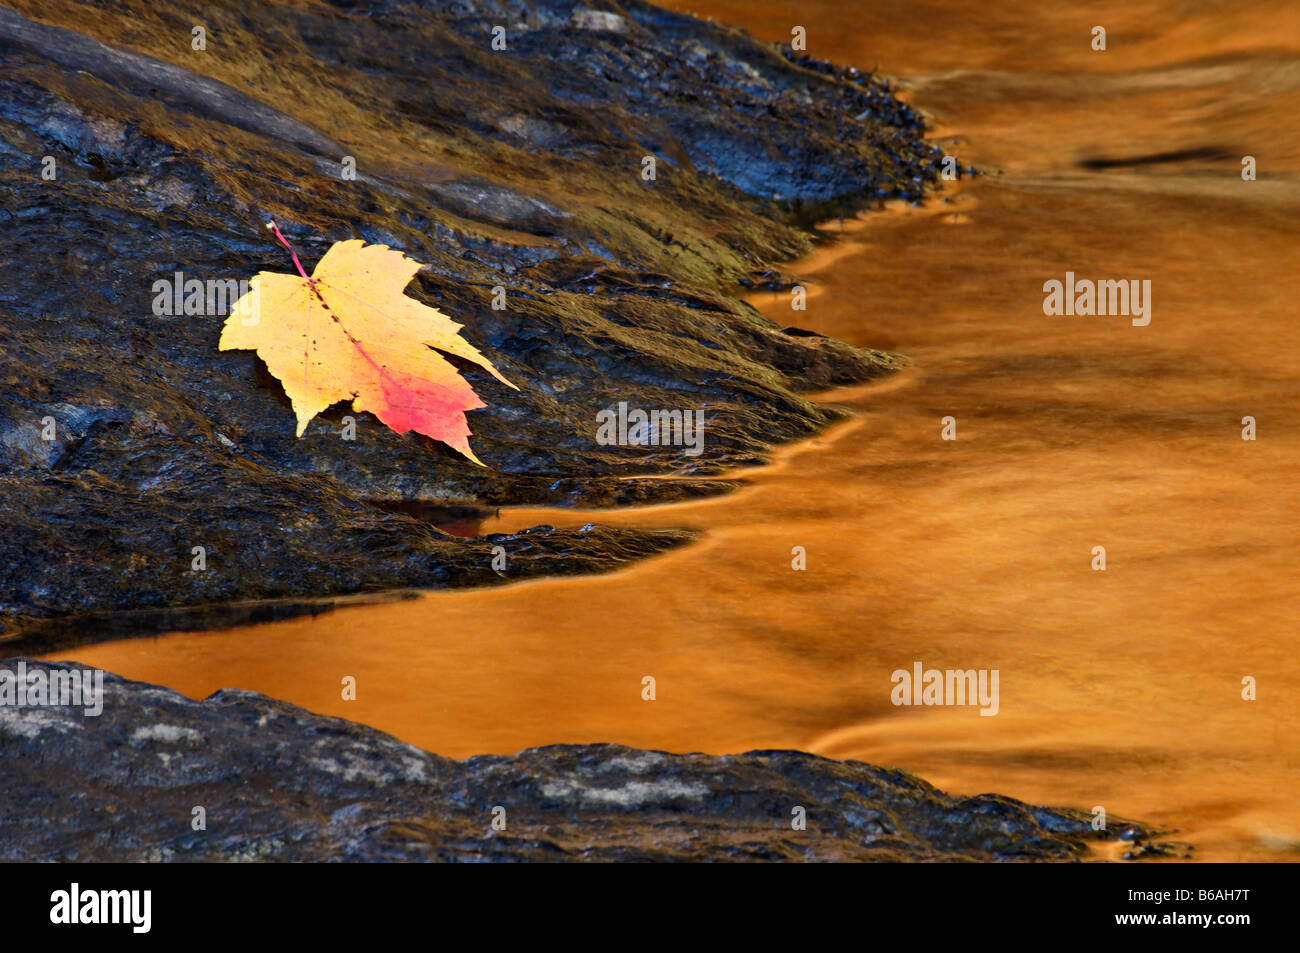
(1119, 688)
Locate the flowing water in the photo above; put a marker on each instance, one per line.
(1119, 688)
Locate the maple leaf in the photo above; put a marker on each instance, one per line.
(348, 331)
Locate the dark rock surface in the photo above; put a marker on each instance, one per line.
(279, 783)
(518, 169)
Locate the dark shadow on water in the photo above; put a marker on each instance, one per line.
(42, 637)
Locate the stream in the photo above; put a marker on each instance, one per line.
(1120, 688)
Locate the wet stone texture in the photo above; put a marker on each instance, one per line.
(518, 169)
(279, 783)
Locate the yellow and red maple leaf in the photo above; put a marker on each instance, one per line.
(349, 331)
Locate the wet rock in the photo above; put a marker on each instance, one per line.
(244, 581)
(279, 783)
(128, 155)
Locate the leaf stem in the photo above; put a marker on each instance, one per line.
(285, 243)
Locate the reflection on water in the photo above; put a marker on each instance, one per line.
(1119, 688)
